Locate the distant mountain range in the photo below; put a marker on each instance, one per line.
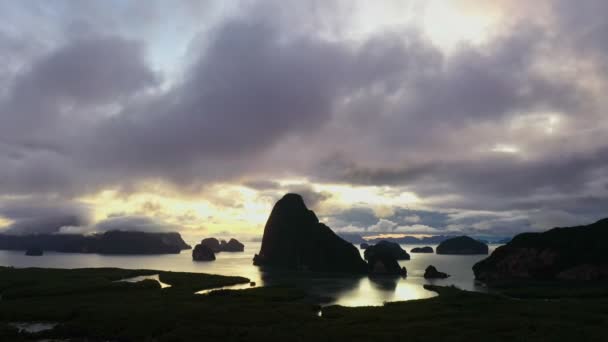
(412, 240)
(112, 242)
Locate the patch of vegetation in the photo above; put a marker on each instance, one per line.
(552, 289)
(9, 333)
(19, 283)
(143, 312)
(193, 282)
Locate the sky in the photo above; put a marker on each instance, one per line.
(484, 118)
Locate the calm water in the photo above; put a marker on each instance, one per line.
(357, 291)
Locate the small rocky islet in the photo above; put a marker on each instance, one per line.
(383, 259)
(432, 273)
(391, 248)
(426, 249)
(462, 245)
(202, 253)
(206, 250)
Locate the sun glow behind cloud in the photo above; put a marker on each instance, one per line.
(223, 207)
(4, 222)
(236, 208)
(448, 24)
(369, 195)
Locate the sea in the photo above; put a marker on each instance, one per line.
(331, 289)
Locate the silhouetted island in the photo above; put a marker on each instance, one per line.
(432, 273)
(202, 253)
(364, 246)
(218, 246)
(233, 245)
(425, 249)
(212, 243)
(294, 239)
(34, 251)
(462, 245)
(412, 240)
(382, 262)
(112, 242)
(573, 253)
(383, 259)
(389, 248)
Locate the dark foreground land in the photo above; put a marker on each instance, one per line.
(89, 305)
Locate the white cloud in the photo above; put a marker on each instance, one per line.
(416, 229)
(382, 226)
(412, 219)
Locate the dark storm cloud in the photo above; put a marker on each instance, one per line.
(84, 73)
(248, 90)
(13, 51)
(255, 85)
(134, 223)
(404, 217)
(266, 94)
(88, 72)
(357, 216)
(581, 23)
(311, 197)
(42, 216)
(592, 207)
(53, 106)
(507, 175)
(264, 185)
(273, 191)
(402, 220)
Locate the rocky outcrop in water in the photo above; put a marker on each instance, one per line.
(462, 245)
(218, 246)
(432, 273)
(294, 239)
(383, 259)
(385, 265)
(573, 253)
(112, 242)
(212, 243)
(202, 253)
(426, 249)
(233, 245)
(387, 248)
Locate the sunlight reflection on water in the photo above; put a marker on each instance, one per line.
(231, 287)
(147, 277)
(353, 291)
(370, 292)
(33, 327)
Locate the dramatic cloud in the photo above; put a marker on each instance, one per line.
(136, 223)
(501, 130)
(54, 105)
(42, 216)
